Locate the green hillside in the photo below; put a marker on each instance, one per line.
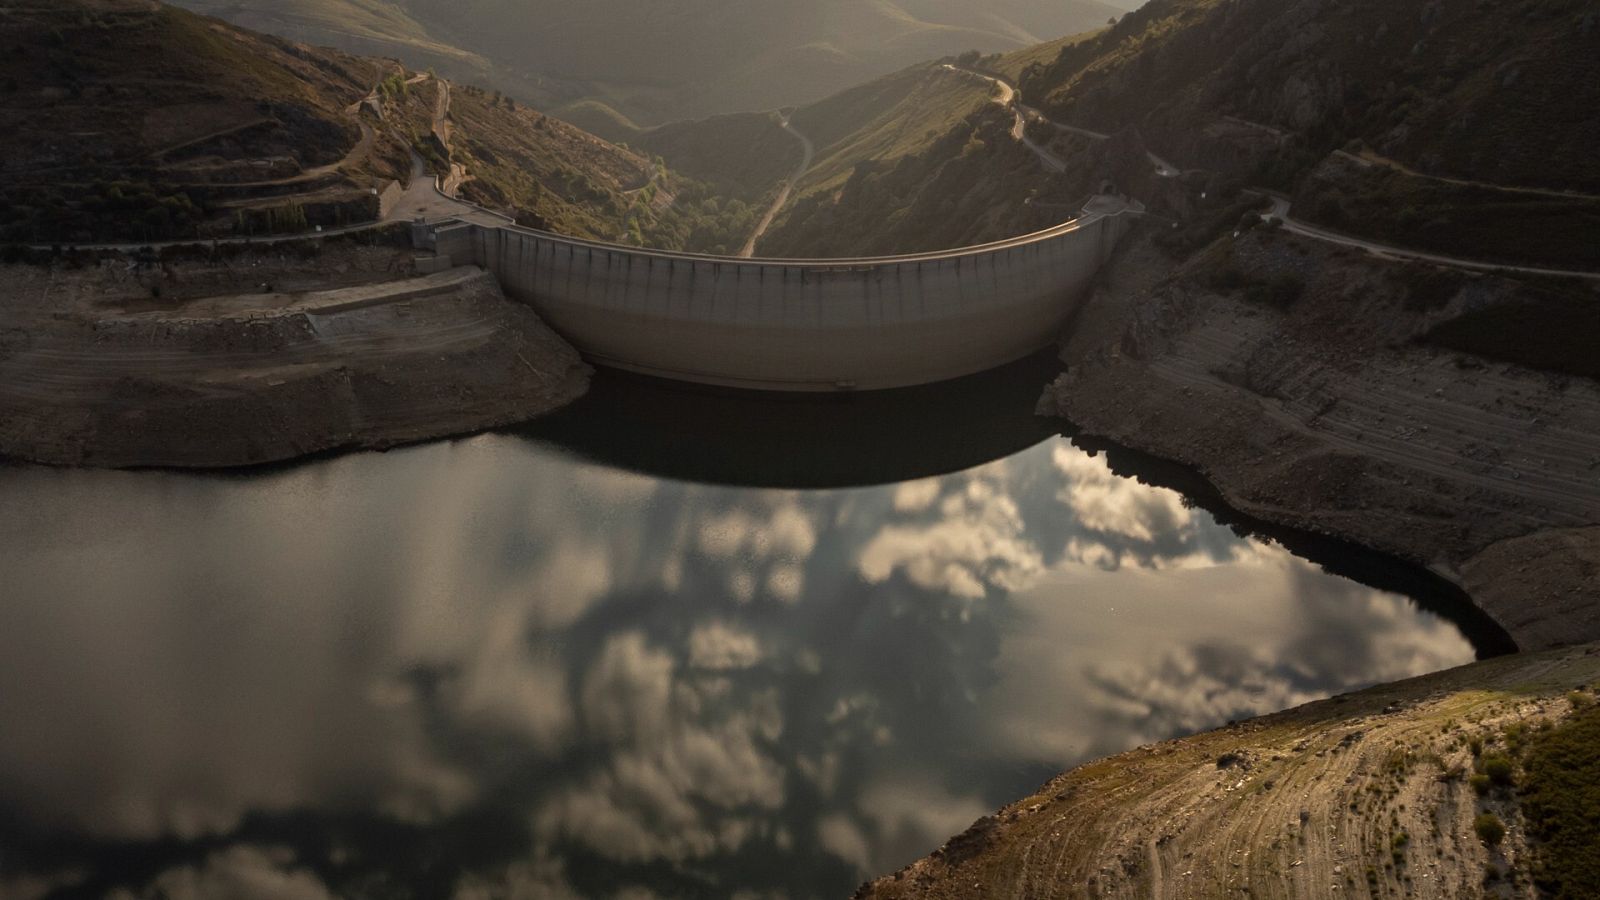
(886, 119)
(745, 156)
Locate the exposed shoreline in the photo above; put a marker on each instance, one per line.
(1411, 452)
(1482, 471)
(229, 380)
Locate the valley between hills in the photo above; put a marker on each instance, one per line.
(1362, 303)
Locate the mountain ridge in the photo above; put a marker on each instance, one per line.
(683, 59)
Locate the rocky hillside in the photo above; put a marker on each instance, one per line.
(554, 176)
(1448, 417)
(134, 120)
(1445, 107)
(968, 185)
(137, 121)
(1498, 92)
(1468, 783)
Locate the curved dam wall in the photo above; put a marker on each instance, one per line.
(799, 325)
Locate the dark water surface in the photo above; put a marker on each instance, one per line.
(495, 668)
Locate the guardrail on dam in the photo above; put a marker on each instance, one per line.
(799, 325)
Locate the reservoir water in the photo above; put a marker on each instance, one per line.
(516, 665)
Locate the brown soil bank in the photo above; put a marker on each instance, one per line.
(1391, 404)
(263, 377)
(1390, 792)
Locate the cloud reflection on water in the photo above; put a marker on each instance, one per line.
(675, 687)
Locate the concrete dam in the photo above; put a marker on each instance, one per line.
(797, 324)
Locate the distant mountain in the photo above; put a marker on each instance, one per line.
(669, 59)
(746, 154)
(372, 27)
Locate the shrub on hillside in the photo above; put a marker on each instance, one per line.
(1499, 769)
(1560, 797)
(1489, 828)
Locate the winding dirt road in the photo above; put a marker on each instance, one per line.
(809, 152)
(1011, 97)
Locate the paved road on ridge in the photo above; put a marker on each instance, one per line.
(1280, 211)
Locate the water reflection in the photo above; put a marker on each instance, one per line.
(487, 669)
(763, 439)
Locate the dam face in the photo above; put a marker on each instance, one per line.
(799, 325)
